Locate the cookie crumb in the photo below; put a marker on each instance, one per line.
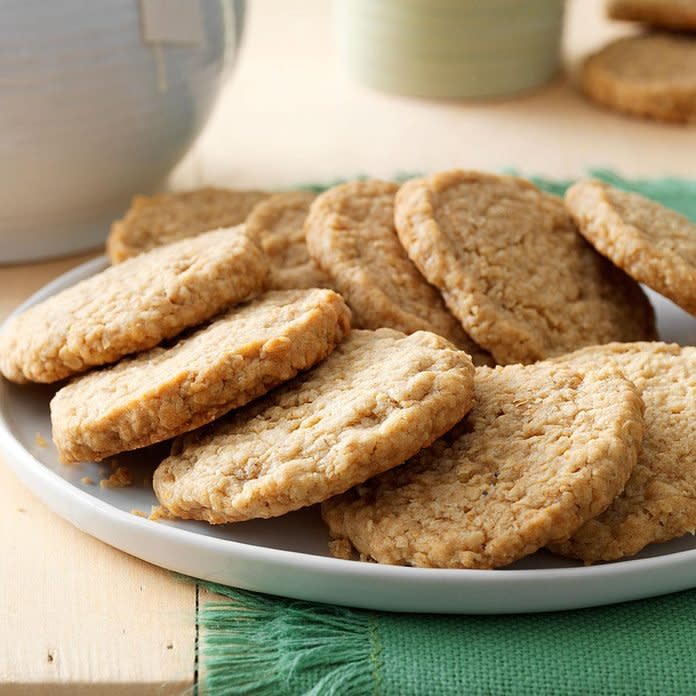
(40, 440)
(138, 513)
(87, 480)
(341, 548)
(113, 463)
(121, 478)
(159, 512)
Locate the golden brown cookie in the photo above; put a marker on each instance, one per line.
(659, 500)
(169, 391)
(544, 449)
(350, 233)
(168, 217)
(513, 268)
(277, 225)
(653, 76)
(670, 14)
(375, 401)
(651, 243)
(132, 306)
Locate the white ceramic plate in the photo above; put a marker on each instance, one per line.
(288, 556)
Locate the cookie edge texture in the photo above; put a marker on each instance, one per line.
(633, 535)
(21, 365)
(625, 245)
(450, 406)
(620, 448)
(277, 360)
(508, 341)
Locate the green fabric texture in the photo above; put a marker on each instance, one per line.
(266, 646)
(254, 644)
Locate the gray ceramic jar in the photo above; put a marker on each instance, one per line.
(99, 100)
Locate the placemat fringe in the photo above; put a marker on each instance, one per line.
(258, 645)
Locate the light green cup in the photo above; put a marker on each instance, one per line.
(450, 48)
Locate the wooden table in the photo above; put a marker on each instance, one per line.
(77, 615)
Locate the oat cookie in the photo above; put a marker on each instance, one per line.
(670, 14)
(168, 217)
(350, 233)
(659, 500)
(653, 75)
(169, 391)
(544, 449)
(375, 401)
(513, 268)
(132, 306)
(651, 243)
(277, 225)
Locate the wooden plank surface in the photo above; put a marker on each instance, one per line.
(78, 616)
(74, 612)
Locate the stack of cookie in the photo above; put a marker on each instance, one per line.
(236, 343)
(653, 74)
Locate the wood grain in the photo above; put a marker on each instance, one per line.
(76, 611)
(73, 611)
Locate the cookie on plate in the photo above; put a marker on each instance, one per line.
(544, 449)
(653, 244)
(132, 306)
(168, 217)
(669, 14)
(375, 401)
(659, 500)
(513, 268)
(169, 391)
(277, 225)
(653, 76)
(350, 233)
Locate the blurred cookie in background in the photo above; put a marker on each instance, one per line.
(667, 14)
(652, 76)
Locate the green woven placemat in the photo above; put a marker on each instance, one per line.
(253, 644)
(260, 645)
